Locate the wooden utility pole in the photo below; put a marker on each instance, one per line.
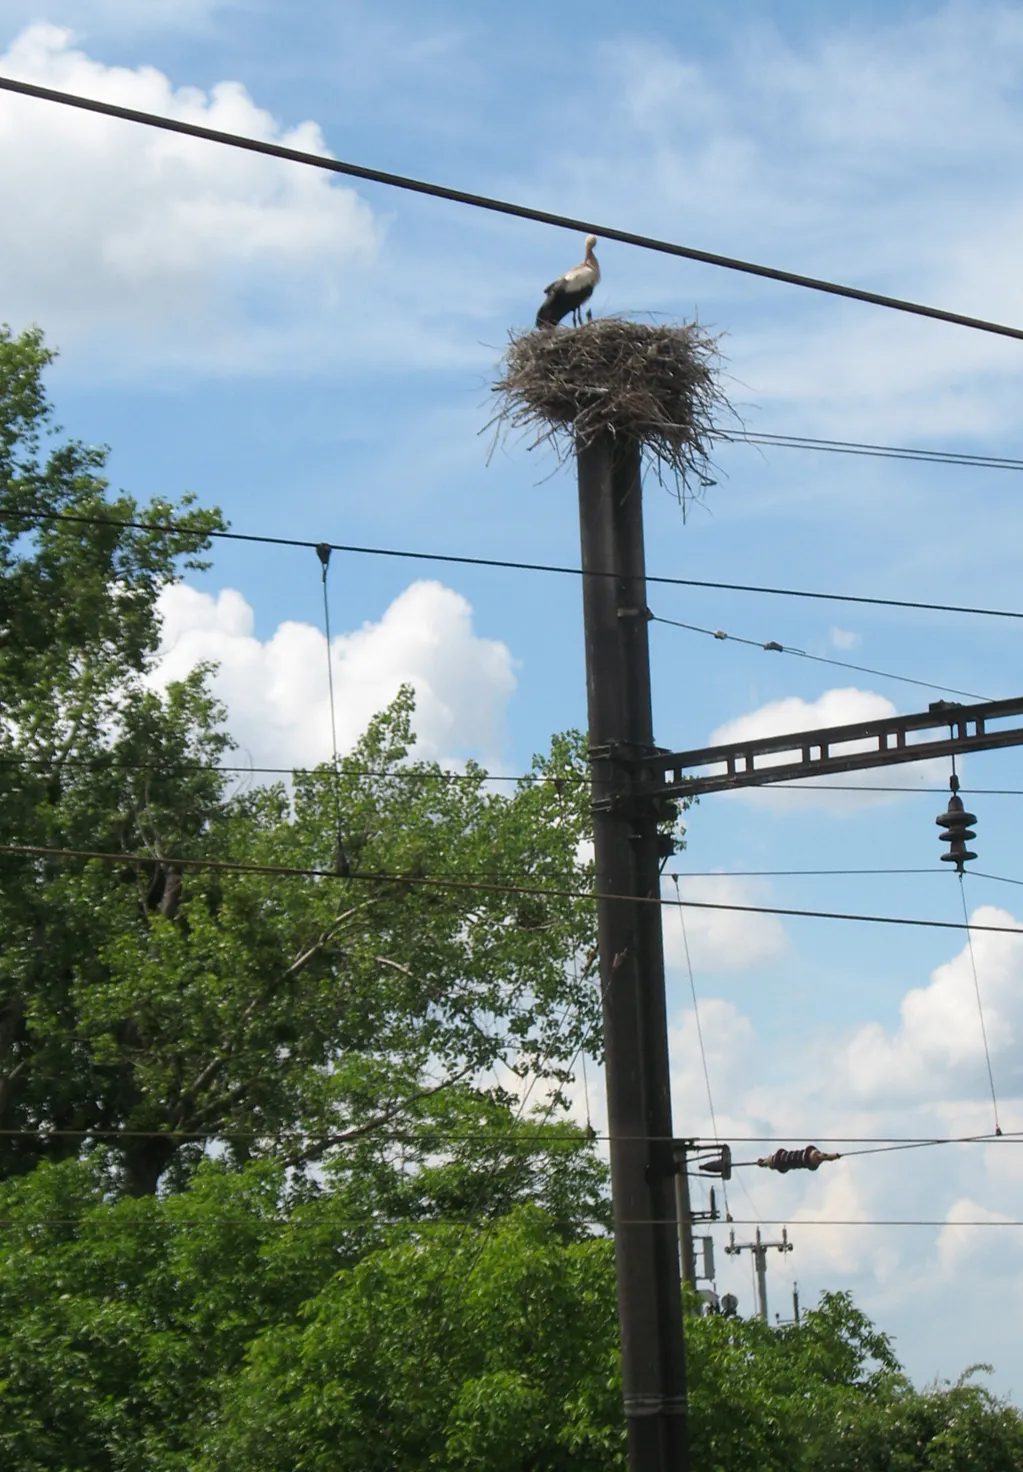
(631, 957)
(759, 1250)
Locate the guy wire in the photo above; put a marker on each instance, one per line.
(980, 1006)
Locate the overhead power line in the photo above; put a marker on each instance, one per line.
(859, 447)
(317, 1219)
(484, 886)
(411, 774)
(569, 779)
(862, 787)
(774, 647)
(461, 560)
(496, 1137)
(500, 206)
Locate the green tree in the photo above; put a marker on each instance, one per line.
(126, 1322)
(172, 1005)
(79, 625)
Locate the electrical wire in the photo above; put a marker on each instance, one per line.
(857, 447)
(799, 873)
(864, 787)
(696, 1011)
(483, 886)
(499, 206)
(419, 1224)
(323, 552)
(699, 1034)
(411, 774)
(515, 566)
(888, 1148)
(879, 1144)
(980, 1005)
(774, 647)
(928, 1144)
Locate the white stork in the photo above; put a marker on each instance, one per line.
(570, 291)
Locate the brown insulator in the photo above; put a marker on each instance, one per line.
(956, 823)
(809, 1158)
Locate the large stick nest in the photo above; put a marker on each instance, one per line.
(655, 384)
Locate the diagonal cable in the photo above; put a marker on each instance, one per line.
(773, 646)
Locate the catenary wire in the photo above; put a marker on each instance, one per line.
(856, 447)
(493, 1137)
(865, 787)
(420, 1223)
(417, 774)
(499, 206)
(980, 1005)
(696, 1011)
(566, 779)
(463, 560)
(699, 1034)
(888, 1147)
(879, 1144)
(775, 647)
(484, 886)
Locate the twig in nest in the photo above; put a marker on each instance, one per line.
(654, 383)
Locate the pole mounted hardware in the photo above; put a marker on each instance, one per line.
(957, 826)
(759, 1249)
(823, 752)
(809, 1158)
(710, 1160)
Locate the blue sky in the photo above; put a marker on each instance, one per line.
(317, 360)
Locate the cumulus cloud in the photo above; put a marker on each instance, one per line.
(840, 707)
(176, 243)
(276, 690)
(922, 1077)
(937, 1051)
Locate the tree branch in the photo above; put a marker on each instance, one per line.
(207, 1074)
(358, 1132)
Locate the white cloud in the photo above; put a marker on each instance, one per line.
(922, 1078)
(937, 1051)
(840, 707)
(190, 249)
(276, 691)
(719, 940)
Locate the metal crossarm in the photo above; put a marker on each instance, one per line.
(824, 752)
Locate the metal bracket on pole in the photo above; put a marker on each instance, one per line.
(823, 752)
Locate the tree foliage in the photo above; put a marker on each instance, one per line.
(371, 1317)
(170, 1005)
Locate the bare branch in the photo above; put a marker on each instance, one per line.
(386, 961)
(216, 1063)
